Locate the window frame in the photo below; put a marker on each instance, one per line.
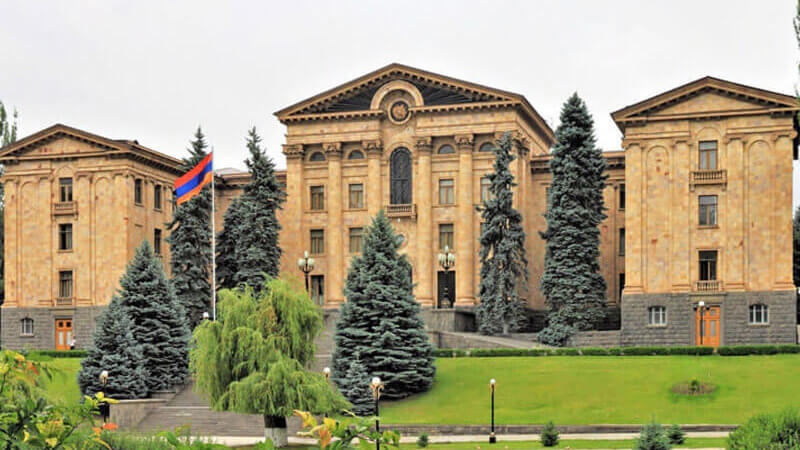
(758, 309)
(65, 237)
(445, 233)
(138, 191)
(621, 199)
(357, 238)
(483, 147)
(157, 238)
(707, 212)
(711, 269)
(352, 155)
(657, 316)
(486, 191)
(157, 200)
(703, 155)
(317, 192)
(621, 241)
(447, 194)
(317, 281)
(24, 321)
(359, 196)
(62, 280)
(65, 189)
(316, 159)
(451, 150)
(316, 235)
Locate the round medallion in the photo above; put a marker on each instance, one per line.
(401, 240)
(399, 111)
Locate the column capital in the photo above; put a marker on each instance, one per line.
(424, 144)
(333, 150)
(293, 151)
(627, 143)
(788, 134)
(373, 147)
(465, 142)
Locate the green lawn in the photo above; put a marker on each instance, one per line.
(64, 385)
(595, 390)
(575, 444)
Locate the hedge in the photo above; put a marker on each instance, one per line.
(58, 353)
(739, 350)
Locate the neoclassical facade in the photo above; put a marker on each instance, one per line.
(697, 235)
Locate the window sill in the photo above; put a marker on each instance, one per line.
(439, 205)
(157, 209)
(657, 326)
(758, 325)
(707, 227)
(65, 251)
(316, 211)
(317, 255)
(355, 209)
(138, 204)
(27, 335)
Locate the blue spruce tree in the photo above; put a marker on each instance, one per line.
(504, 267)
(227, 240)
(380, 323)
(572, 285)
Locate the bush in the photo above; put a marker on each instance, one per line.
(653, 437)
(556, 335)
(567, 351)
(676, 435)
(589, 351)
(768, 431)
(549, 435)
(422, 440)
(36, 354)
(742, 350)
(621, 351)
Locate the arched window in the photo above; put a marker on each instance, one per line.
(446, 150)
(486, 147)
(27, 326)
(356, 154)
(400, 174)
(656, 315)
(316, 157)
(759, 314)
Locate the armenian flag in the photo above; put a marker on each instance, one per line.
(192, 182)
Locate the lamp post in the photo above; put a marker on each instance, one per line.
(447, 260)
(104, 406)
(377, 387)
(701, 306)
(205, 315)
(306, 265)
(492, 437)
(327, 372)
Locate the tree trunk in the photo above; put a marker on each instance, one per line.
(275, 430)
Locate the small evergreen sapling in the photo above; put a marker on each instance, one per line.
(676, 435)
(422, 440)
(653, 437)
(355, 388)
(116, 351)
(549, 435)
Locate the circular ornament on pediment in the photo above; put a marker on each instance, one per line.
(399, 112)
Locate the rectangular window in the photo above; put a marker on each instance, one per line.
(547, 199)
(708, 155)
(27, 326)
(708, 265)
(356, 196)
(356, 240)
(622, 242)
(759, 314)
(317, 198)
(65, 189)
(446, 192)
(65, 284)
(622, 196)
(621, 286)
(657, 315)
(486, 193)
(317, 242)
(708, 210)
(446, 236)
(318, 289)
(137, 191)
(157, 196)
(65, 236)
(157, 241)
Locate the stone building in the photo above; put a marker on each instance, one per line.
(699, 205)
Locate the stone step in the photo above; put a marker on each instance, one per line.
(203, 422)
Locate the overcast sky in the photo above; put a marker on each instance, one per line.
(153, 71)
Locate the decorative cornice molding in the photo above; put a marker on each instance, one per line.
(788, 134)
(293, 151)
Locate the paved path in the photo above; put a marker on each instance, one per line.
(502, 439)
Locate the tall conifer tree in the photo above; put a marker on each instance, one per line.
(227, 241)
(380, 323)
(190, 243)
(572, 285)
(159, 322)
(504, 267)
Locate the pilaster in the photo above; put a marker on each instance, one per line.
(374, 150)
(782, 220)
(333, 235)
(734, 275)
(425, 249)
(681, 218)
(293, 232)
(634, 232)
(465, 235)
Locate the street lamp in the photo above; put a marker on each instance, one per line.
(103, 407)
(327, 372)
(492, 437)
(377, 388)
(447, 260)
(205, 315)
(306, 265)
(701, 306)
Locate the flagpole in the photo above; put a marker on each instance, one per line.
(213, 245)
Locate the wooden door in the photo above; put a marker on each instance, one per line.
(63, 334)
(709, 325)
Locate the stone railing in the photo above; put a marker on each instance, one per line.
(406, 210)
(705, 177)
(708, 286)
(64, 208)
(64, 301)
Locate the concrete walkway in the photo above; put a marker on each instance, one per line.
(478, 439)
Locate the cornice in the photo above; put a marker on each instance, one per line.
(345, 115)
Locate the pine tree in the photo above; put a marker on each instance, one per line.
(159, 322)
(116, 351)
(356, 389)
(257, 251)
(381, 319)
(572, 285)
(190, 243)
(504, 267)
(253, 358)
(227, 241)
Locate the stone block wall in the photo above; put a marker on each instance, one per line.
(678, 330)
(83, 324)
(782, 326)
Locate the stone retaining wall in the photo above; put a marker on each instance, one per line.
(128, 413)
(595, 339)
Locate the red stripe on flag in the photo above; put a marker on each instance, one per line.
(192, 173)
(189, 195)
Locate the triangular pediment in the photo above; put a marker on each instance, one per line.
(707, 96)
(356, 95)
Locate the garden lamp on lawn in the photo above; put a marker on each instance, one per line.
(377, 387)
(104, 407)
(492, 437)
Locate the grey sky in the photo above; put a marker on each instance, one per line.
(153, 71)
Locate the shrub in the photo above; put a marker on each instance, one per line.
(594, 351)
(556, 335)
(422, 440)
(37, 354)
(549, 435)
(768, 431)
(676, 435)
(741, 350)
(653, 437)
(567, 351)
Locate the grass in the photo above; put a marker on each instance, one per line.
(575, 444)
(64, 385)
(596, 390)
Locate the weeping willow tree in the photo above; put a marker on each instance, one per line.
(252, 359)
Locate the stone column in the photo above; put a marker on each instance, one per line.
(783, 149)
(373, 189)
(734, 212)
(682, 219)
(293, 234)
(634, 190)
(425, 250)
(464, 233)
(334, 231)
